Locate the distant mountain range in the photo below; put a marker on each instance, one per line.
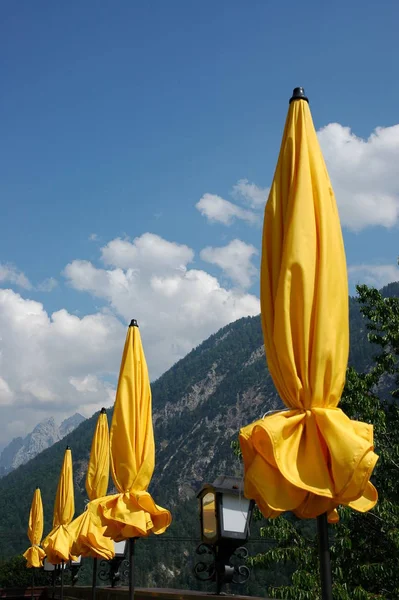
(20, 450)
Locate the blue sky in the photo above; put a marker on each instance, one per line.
(117, 118)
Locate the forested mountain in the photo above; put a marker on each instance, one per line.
(198, 407)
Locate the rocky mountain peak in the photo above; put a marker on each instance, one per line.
(46, 433)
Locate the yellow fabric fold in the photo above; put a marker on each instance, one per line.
(89, 538)
(35, 555)
(132, 512)
(311, 457)
(57, 545)
(131, 515)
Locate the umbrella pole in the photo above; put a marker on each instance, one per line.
(53, 576)
(62, 581)
(94, 582)
(324, 555)
(33, 582)
(131, 568)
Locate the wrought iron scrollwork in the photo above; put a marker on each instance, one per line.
(241, 572)
(74, 570)
(220, 565)
(205, 569)
(115, 570)
(103, 571)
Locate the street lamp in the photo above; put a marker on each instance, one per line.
(225, 516)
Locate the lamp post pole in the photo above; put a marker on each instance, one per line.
(94, 581)
(62, 580)
(131, 567)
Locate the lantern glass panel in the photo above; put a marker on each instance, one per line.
(48, 566)
(120, 548)
(235, 513)
(209, 515)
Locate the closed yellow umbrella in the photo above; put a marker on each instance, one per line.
(311, 457)
(88, 537)
(35, 555)
(132, 512)
(98, 468)
(58, 543)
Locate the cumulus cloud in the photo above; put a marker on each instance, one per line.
(11, 275)
(252, 194)
(54, 364)
(219, 210)
(373, 275)
(149, 252)
(149, 279)
(235, 260)
(363, 174)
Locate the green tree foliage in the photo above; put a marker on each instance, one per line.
(364, 547)
(13, 573)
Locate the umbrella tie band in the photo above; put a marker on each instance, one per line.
(272, 412)
(308, 411)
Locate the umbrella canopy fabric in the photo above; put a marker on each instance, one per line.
(35, 555)
(89, 539)
(58, 543)
(310, 458)
(132, 512)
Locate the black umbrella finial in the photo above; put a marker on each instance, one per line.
(68, 448)
(103, 411)
(299, 94)
(133, 323)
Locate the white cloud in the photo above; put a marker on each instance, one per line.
(10, 274)
(252, 194)
(47, 285)
(235, 260)
(176, 307)
(364, 174)
(50, 363)
(93, 237)
(217, 209)
(373, 275)
(148, 251)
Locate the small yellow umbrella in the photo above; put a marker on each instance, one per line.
(98, 468)
(131, 513)
(58, 542)
(35, 555)
(88, 537)
(311, 457)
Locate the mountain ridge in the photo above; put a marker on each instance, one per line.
(46, 433)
